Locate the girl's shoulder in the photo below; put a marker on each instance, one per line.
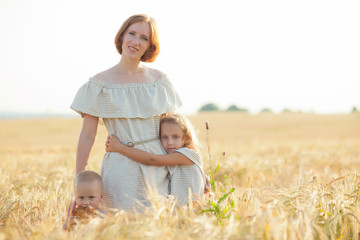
(194, 156)
(186, 149)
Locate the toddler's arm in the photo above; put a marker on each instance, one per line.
(113, 144)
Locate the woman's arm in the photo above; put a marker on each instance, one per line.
(86, 141)
(113, 144)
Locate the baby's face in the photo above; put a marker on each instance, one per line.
(88, 194)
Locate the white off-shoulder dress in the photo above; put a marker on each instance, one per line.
(183, 178)
(130, 111)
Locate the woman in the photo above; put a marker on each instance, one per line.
(130, 98)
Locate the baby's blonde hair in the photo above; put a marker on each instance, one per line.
(88, 176)
(190, 139)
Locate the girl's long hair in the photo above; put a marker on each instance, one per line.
(190, 139)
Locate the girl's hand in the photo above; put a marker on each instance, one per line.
(112, 143)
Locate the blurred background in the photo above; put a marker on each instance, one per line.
(298, 56)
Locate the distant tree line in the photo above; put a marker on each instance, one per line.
(212, 107)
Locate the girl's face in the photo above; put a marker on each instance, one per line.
(136, 40)
(172, 137)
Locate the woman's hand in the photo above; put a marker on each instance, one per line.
(71, 207)
(113, 144)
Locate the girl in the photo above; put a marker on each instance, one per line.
(183, 159)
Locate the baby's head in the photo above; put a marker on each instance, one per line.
(176, 132)
(88, 188)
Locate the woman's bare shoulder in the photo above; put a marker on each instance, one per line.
(104, 75)
(155, 73)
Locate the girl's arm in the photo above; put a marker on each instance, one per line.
(113, 144)
(86, 141)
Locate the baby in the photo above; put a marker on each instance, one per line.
(88, 190)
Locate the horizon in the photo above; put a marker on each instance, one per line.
(9, 115)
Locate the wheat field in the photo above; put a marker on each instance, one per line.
(274, 176)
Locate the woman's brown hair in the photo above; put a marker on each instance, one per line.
(154, 48)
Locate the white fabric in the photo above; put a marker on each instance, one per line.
(183, 178)
(129, 100)
(132, 113)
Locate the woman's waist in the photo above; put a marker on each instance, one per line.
(152, 146)
(121, 163)
(132, 142)
(134, 135)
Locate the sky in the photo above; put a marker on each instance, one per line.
(300, 55)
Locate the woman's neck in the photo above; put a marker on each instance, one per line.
(129, 66)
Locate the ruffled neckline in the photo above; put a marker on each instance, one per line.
(126, 85)
(127, 100)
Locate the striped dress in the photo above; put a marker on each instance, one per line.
(183, 178)
(130, 111)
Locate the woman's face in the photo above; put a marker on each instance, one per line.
(136, 40)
